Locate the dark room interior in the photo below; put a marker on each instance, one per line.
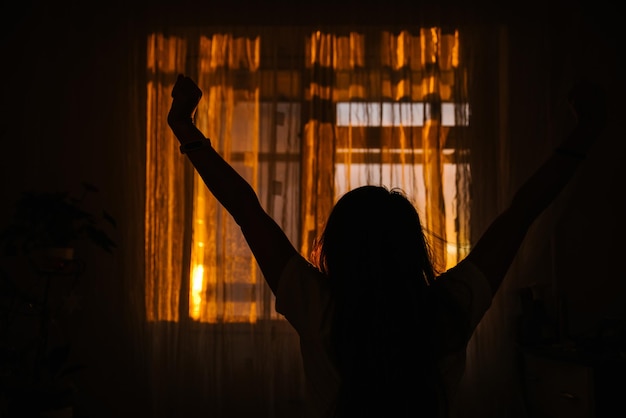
(81, 99)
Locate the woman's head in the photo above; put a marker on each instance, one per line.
(374, 229)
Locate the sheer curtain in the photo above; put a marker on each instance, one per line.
(382, 104)
(217, 344)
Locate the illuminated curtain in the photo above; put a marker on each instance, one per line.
(222, 284)
(165, 207)
(224, 281)
(216, 338)
(379, 75)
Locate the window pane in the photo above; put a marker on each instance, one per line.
(398, 114)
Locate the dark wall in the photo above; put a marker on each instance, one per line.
(64, 120)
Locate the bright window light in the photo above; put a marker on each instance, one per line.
(398, 114)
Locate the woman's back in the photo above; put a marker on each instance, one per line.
(389, 369)
(387, 306)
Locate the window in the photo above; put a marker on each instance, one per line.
(304, 116)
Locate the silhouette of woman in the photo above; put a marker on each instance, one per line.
(381, 333)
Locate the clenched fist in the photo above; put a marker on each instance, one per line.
(186, 95)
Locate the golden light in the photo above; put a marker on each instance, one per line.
(195, 293)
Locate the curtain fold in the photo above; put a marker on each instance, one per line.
(165, 226)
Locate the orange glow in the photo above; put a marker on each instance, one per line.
(196, 291)
(455, 50)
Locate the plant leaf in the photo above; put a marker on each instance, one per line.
(107, 216)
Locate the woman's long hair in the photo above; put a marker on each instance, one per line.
(378, 262)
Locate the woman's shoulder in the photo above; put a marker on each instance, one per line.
(303, 294)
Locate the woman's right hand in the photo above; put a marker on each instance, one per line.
(186, 95)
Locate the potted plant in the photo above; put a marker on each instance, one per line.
(38, 275)
(46, 220)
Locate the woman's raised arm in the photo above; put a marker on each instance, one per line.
(496, 249)
(269, 244)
